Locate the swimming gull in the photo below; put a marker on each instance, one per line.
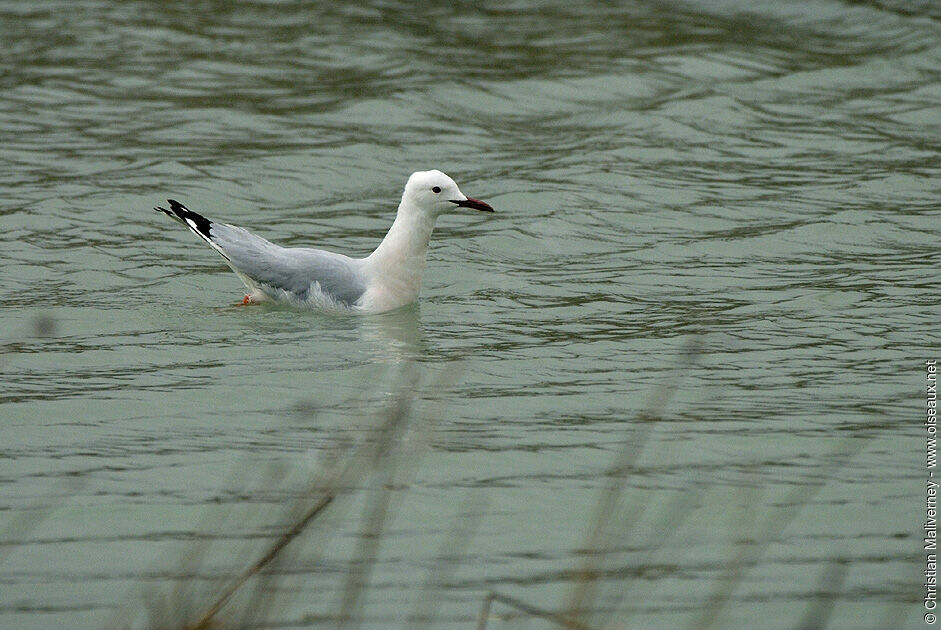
(388, 278)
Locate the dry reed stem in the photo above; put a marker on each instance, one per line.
(560, 620)
(371, 449)
(771, 528)
(376, 513)
(446, 562)
(396, 466)
(828, 588)
(598, 537)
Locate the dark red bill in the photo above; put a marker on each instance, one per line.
(474, 204)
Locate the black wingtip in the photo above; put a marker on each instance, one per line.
(194, 220)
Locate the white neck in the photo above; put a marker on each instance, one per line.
(397, 264)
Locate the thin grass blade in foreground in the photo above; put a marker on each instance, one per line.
(600, 531)
(532, 611)
(366, 458)
(770, 529)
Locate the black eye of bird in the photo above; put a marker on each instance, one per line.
(435, 189)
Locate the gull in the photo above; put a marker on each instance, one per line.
(387, 279)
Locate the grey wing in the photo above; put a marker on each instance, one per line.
(270, 268)
(297, 271)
